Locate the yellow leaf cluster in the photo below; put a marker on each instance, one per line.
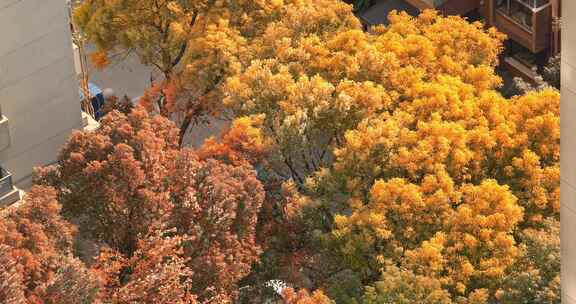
(447, 179)
(438, 170)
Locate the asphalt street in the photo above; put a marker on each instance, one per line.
(129, 77)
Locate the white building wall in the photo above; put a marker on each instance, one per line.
(568, 152)
(38, 88)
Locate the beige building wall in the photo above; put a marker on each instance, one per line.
(568, 152)
(38, 89)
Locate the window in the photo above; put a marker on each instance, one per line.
(521, 11)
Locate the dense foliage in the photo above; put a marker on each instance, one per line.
(198, 44)
(162, 217)
(388, 167)
(409, 164)
(35, 251)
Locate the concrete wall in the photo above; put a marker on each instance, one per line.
(568, 152)
(38, 88)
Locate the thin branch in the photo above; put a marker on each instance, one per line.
(185, 44)
(294, 173)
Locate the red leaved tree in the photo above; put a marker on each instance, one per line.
(36, 237)
(304, 297)
(35, 255)
(216, 205)
(113, 180)
(156, 273)
(11, 287)
(131, 189)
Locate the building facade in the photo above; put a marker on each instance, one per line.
(39, 99)
(568, 153)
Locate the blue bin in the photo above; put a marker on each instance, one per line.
(97, 99)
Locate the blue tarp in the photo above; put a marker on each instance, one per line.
(94, 90)
(97, 99)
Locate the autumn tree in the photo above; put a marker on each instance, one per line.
(36, 245)
(127, 183)
(441, 185)
(290, 296)
(400, 154)
(156, 272)
(198, 44)
(113, 179)
(318, 87)
(157, 32)
(437, 189)
(426, 165)
(208, 247)
(11, 287)
(36, 236)
(216, 205)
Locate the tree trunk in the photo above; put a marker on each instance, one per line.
(183, 128)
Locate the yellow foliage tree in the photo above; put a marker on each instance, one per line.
(198, 44)
(402, 138)
(443, 184)
(441, 187)
(313, 88)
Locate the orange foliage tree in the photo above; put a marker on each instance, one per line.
(316, 87)
(155, 273)
(290, 296)
(149, 203)
(11, 287)
(35, 248)
(114, 179)
(216, 205)
(442, 184)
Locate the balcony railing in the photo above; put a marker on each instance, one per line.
(5, 182)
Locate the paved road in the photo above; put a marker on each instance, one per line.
(125, 77)
(129, 77)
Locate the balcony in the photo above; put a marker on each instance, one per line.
(8, 193)
(528, 22)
